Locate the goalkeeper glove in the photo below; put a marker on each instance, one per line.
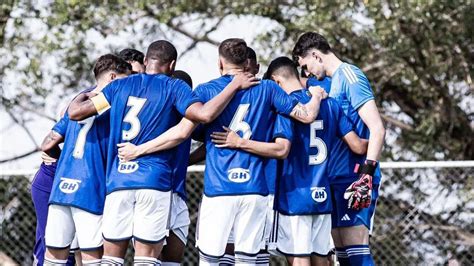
(359, 193)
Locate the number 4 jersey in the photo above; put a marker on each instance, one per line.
(142, 107)
(251, 113)
(80, 176)
(303, 185)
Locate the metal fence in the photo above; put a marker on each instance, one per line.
(424, 216)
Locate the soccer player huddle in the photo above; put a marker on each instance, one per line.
(291, 161)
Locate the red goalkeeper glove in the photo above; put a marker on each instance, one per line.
(359, 193)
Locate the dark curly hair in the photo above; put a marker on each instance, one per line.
(111, 62)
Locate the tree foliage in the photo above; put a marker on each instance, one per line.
(418, 55)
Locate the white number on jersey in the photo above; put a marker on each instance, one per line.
(81, 137)
(136, 104)
(315, 142)
(238, 124)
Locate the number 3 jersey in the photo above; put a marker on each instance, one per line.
(142, 107)
(251, 113)
(303, 184)
(80, 175)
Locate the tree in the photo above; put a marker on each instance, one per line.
(418, 55)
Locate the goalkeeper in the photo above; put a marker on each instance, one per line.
(354, 194)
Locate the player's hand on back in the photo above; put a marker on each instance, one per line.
(318, 91)
(128, 151)
(48, 160)
(226, 139)
(245, 80)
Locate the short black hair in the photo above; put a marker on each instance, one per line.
(308, 41)
(130, 55)
(234, 51)
(251, 54)
(182, 75)
(111, 62)
(282, 66)
(162, 51)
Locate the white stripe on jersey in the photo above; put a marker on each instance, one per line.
(350, 75)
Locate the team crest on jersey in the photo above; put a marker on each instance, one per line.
(319, 194)
(69, 185)
(127, 167)
(239, 175)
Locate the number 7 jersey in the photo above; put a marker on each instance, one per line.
(80, 176)
(142, 107)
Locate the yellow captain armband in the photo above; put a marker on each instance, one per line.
(100, 102)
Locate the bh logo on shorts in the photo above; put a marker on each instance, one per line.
(69, 185)
(127, 167)
(319, 194)
(239, 175)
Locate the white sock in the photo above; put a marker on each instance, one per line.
(206, 260)
(145, 261)
(245, 260)
(95, 262)
(54, 262)
(170, 263)
(109, 260)
(263, 259)
(227, 259)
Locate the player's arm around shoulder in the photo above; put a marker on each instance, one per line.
(279, 149)
(86, 105)
(168, 140)
(208, 112)
(307, 113)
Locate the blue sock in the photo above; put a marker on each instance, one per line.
(359, 255)
(342, 256)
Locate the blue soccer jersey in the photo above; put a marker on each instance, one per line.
(273, 167)
(180, 167)
(351, 88)
(142, 108)
(80, 175)
(303, 186)
(251, 113)
(325, 83)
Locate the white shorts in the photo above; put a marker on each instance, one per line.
(139, 213)
(268, 222)
(301, 235)
(64, 223)
(179, 218)
(245, 214)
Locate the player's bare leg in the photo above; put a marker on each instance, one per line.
(347, 239)
(55, 256)
(353, 235)
(147, 253)
(299, 261)
(320, 260)
(91, 257)
(114, 252)
(174, 249)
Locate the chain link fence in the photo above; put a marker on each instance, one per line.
(424, 216)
